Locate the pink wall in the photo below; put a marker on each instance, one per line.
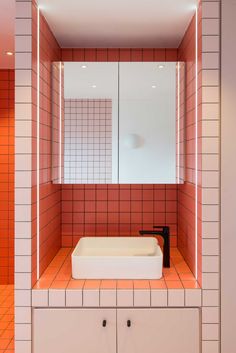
(7, 123)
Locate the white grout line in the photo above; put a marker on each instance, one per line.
(196, 143)
(38, 141)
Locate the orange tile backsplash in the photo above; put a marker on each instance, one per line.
(116, 210)
(58, 276)
(7, 81)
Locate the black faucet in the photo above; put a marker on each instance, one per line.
(164, 232)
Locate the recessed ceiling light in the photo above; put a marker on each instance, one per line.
(94, 86)
(9, 53)
(154, 86)
(84, 66)
(161, 67)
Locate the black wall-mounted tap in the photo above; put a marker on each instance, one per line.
(164, 232)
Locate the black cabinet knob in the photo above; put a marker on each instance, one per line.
(128, 323)
(104, 323)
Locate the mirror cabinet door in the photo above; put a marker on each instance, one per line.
(118, 122)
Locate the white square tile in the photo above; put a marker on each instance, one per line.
(210, 77)
(210, 162)
(23, 9)
(91, 297)
(107, 297)
(23, 297)
(22, 180)
(210, 27)
(210, 281)
(23, 61)
(210, 213)
(22, 280)
(210, 298)
(22, 263)
(210, 247)
(57, 297)
(210, 9)
(210, 145)
(23, 346)
(23, 332)
(23, 128)
(23, 26)
(23, 111)
(210, 128)
(158, 297)
(142, 297)
(125, 297)
(23, 77)
(176, 297)
(193, 297)
(210, 44)
(23, 247)
(40, 297)
(210, 230)
(210, 264)
(210, 111)
(74, 297)
(22, 230)
(23, 315)
(210, 347)
(210, 61)
(210, 94)
(210, 332)
(210, 315)
(23, 44)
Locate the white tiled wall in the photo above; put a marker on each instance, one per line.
(88, 141)
(210, 188)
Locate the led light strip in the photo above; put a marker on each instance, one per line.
(196, 143)
(38, 144)
(60, 122)
(178, 123)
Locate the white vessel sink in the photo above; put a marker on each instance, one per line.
(117, 258)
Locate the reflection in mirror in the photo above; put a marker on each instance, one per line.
(118, 122)
(90, 119)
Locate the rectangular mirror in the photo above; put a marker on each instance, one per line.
(118, 122)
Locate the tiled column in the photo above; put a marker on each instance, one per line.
(210, 183)
(23, 175)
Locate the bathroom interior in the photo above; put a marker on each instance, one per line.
(111, 177)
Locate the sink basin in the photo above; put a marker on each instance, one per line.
(117, 258)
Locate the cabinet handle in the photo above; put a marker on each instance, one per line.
(104, 323)
(128, 323)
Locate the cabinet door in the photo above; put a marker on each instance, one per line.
(74, 331)
(147, 123)
(158, 331)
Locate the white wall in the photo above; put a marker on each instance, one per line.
(228, 177)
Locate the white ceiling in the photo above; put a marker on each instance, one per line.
(104, 23)
(118, 23)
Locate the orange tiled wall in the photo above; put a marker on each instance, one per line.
(112, 209)
(7, 78)
(186, 192)
(116, 210)
(50, 195)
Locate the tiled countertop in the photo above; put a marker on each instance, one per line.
(56, 287)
